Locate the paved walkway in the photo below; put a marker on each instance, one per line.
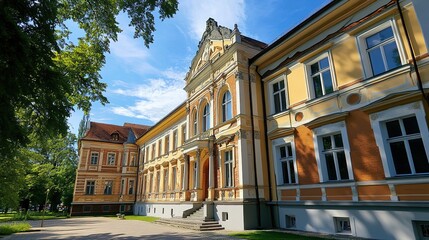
(108, 228)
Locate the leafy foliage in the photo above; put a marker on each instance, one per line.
(44, 74)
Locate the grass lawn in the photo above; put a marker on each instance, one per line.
(29, 216)
(256, 235)
(140, 218)
(6, 229)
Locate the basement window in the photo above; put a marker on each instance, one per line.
(224, 216)
(290, 221)
(342, 225)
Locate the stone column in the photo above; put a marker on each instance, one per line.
(197, 172)
(211, 169)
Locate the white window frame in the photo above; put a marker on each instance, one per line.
(271, 94)
(94, 154)
(108, 158)
(175, 139)
(231, 163)
(310, 85)
(362, 45)
(108, 185)
(276, 144)
(339, 228)
(205, 120)
(377, 120)
(93, 187)
(329, 129)
(226, 105)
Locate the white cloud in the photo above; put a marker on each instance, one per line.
(128, 48)
(225, 12)
(155, 98)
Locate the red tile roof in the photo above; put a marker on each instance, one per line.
(103, 132)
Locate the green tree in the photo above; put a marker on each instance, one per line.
(52, 166)
(44, 74)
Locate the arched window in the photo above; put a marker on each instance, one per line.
(194, 123)
(206, 118)
(226, 106)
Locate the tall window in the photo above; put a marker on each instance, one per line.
(333, 152)
(167, 144)
(182, 171)
(321, 77)
(153, 151)
(90, 187)
(226, 106)
(229, 172)
(279, 96)
(94, 158)
(380, 49)
(173, 177)
(160, 147)
(122, 186)
(165, 180)
(111, 159)
(175, 139)
(195, 123)
(183, 133)
(405, 145)
(334, 156)
(286, 164)
(108, 187)
(147, 154)
(206, 117)
(158, 180)
(151, 183)
(131, 187)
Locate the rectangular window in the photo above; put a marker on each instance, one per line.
(133, 160)
(151, 183)
(165, 189)
(229, 172)
(158, 181)
(290, 221)
(333, 152)
(175, 139)
(159, 147)
(183, 133)
(111, 159)
(286, 161)
(90, 187)
(334, 156)
(94, 158)
(108, 187)
(320, 77)
(421, 229)
(131, 187)
(147, 154)
(279, 96)
(173, 178)
(153, 151)
(167, 144)
(405, 145)
(224, 216)
(379, 49)
(342, 225)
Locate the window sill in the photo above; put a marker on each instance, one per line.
(409, 176)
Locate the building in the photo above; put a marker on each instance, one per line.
(324, 130)
(204, 154)
(106, 176)
(347, 120)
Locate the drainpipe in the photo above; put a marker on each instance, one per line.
(258, 203)
(267, 157)
(416, 68)
(137, 172)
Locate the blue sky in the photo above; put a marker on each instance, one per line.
(146, 84)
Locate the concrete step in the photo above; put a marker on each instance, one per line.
(199, 225)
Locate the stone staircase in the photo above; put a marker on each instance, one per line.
(195, 221)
